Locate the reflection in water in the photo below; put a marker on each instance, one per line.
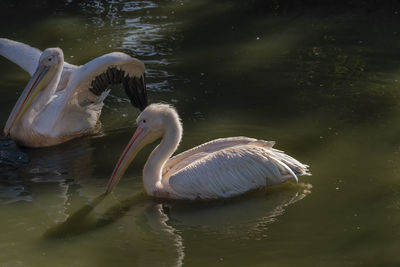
(252, 213)
(45, 180)
(87, 219)
(11, 159)
(169, 236)
(167, 220)
(54, 169)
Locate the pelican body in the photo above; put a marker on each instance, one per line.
(63, 101)
(221, 168)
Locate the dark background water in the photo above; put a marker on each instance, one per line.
(320, 78)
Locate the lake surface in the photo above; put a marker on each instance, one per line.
(323, 85)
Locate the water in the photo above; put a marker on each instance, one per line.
(324, 85)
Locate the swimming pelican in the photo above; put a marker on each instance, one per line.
(220, 168)
(63, 101)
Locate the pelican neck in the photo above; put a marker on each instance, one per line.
(152, 171)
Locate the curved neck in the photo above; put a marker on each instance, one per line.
(152, 172)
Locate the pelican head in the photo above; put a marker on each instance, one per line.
(49, 62)
(155, 121)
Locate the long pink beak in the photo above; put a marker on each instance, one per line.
(128, 155)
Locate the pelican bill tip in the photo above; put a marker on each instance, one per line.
(3, 133)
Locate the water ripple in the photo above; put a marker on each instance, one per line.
(138, 5)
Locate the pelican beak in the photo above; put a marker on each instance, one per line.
(137, 142)
(40, 79)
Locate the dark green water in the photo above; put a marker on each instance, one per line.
(323, 85)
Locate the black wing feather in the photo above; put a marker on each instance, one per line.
(135, 87)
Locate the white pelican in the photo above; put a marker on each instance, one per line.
(220, 168)
(63, 101)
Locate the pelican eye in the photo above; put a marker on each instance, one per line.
(144, 121)
(49, 59)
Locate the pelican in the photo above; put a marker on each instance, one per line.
(221, 168)
(63, 101)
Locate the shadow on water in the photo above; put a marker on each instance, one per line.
(81, 221)
(228, 213)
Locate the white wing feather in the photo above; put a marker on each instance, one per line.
(234, 171)
(179, 161)
(25, 56)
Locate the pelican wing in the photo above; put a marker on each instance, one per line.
(181, 160)
(94, 78)
(234, 171)
(25, 56)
